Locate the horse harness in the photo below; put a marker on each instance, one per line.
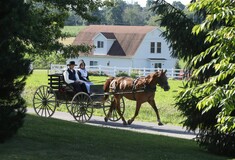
(145, 88)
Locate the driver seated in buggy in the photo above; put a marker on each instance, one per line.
(71, 77)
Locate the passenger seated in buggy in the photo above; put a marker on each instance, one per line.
(71, 78)
(83, 75)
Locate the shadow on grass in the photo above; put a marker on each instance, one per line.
(49, 139)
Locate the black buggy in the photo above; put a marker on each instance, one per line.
(80, 105)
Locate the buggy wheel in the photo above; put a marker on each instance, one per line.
(69, 106)
(44, 101)
(114, 116)
(82, 107)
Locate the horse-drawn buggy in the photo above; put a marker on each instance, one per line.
(80, 105)
(108, 97)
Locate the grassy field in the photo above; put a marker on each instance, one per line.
(164, 100)
(72, 31)
(51, 139)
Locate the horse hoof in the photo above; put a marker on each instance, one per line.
(129, 122)
(160, 123)
(105, 119)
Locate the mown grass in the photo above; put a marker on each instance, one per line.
(164, 100)
(51, 139)
(72, 31)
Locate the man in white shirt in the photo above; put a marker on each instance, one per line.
(71, 77)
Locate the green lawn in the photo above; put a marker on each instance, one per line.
(72, 31)
(51, 139)
(164, 100)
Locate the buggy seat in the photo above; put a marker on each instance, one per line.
(57, 83)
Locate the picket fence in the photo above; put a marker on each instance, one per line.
(113, 71)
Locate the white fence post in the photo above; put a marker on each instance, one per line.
(129, 71)
(172, 73)
(144, 71)
(100, 70)
(114, 71)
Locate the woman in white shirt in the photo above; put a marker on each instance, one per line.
(83, 75)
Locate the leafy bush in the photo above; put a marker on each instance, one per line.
(134, 75)
(96, 73)
(209, 137)
(217, 142)
(122, 74)
(44, 61)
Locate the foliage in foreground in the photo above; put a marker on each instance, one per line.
(29, 28)
(14, 68)
(47, 139)
(208, 98)
(217, 93)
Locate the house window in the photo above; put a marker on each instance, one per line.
(158, 65)
(93, 63)
(100, 44)
(159, 47)
(152, 47)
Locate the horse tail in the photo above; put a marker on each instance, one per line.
(106, 87)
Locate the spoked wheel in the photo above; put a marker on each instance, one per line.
(44, 101)
(69, 106)
(82, 107)
(114, 116)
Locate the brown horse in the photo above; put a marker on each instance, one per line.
(140, 90)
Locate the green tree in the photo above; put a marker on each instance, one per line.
(113, 14)
(28, 29)
(178, 31)
(217, 92)
(44, 62)
(207, 100)
(73, 19)
(178, 5)
(149, 3)
(134, 15)
(154, 20)
(13, 67)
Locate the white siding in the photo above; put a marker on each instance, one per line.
(107, 44)
(104, 61)
(142, 59)
(100, 51)
(143, 52)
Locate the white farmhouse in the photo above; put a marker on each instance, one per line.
(125, 46)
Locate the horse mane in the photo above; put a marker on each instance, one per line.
(151, 79)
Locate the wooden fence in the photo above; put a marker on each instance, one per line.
(114, 71)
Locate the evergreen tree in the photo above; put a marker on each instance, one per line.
(13, 66)
(178, 5)
(149, 3)
(30, 27)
